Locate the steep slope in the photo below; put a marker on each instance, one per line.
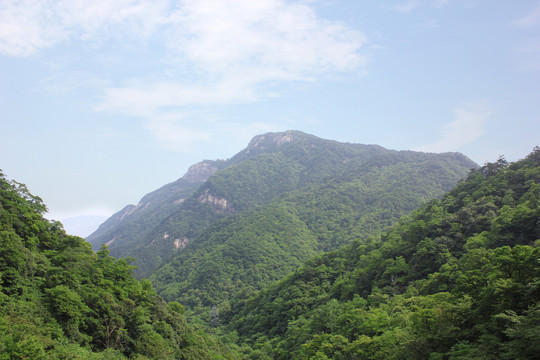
(134, 221)
(458, 279)
(245, 252)
(60, 300)
(271, 166)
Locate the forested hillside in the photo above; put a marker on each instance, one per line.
(457, 279)
(126, 232)
(242, 253)
(374, 187)
(60, 300)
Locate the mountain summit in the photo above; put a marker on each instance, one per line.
(286, 165)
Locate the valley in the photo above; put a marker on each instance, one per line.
(295, 248)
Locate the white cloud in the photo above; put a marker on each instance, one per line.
(215, 35)
(90, 18)
(531, 19)
(217, 52)
(440, 3)
(27, 27)
(220, 35)
(146, 100)
(407, 7)
(468, 126)
(238, 52)
(173, 136)
(91, 210)
(240, 47)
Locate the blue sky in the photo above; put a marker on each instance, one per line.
(104, 101)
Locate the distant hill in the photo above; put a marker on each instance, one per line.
(365, 186)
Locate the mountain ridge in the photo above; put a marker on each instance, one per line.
(273, 164)
(458, 278)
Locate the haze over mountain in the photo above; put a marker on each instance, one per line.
(305, 174)
(104, 101)
(83, 225)
(458, 278)
(285, 245)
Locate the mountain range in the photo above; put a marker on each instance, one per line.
(236, 225)
(295, 248)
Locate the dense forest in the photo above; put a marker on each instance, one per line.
(244, 252)
(307, 274)
(457, 279)
(60, 300)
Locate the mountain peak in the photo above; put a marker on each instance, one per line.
(200, 171)
(273, 139)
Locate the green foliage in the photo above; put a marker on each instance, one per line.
(239, 254)
(341, 191)
(457, 279)
(60, 300)
(305, 211)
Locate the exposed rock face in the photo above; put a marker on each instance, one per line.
(111, 241)
(128, 210)
(199, 172)
(180, 243)
(219, 204)
(278, 139)
(283, 139)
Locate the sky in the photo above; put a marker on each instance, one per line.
(103, 101)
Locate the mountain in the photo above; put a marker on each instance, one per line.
(245, 252)
(459, 278)
(60, 300)
(327, 193)
(133, 224)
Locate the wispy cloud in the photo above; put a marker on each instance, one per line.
(468, 125)
(172, 133)
(407, 7)
(439, 3)
(145, 100)
(242, 45)
(217, 52)
(531, 19)
(28, 27)
(33, 25)
(174, 136)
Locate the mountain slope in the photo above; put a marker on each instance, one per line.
(244, 252)
(134, 222)
(273, 165)
(457, 279)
